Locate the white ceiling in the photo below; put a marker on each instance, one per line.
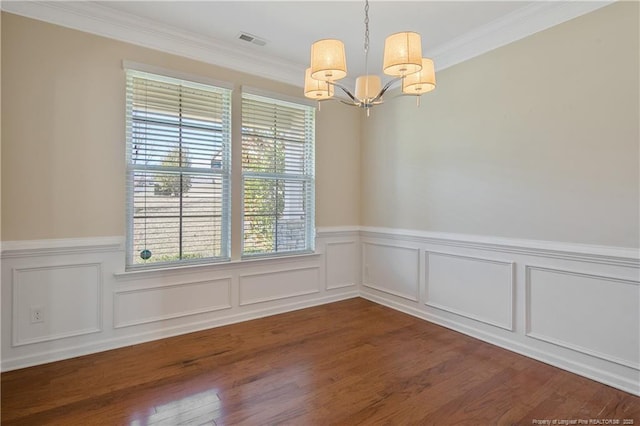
(452, 31)
(290, 27)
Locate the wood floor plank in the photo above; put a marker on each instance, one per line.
(345, 363)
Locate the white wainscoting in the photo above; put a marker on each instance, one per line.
(89, 304)
(573, 306)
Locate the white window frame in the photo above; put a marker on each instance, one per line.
(224, 172)
(308, 177)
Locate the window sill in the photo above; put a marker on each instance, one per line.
(213, 266)
(264, 256)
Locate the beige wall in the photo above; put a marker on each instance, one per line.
(0, 150)
(337, 165)
(63, 156)
(538, 139)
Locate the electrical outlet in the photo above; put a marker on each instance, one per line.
(37, 314)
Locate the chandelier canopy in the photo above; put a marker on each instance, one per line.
(402, 60)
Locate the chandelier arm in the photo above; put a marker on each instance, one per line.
(349, 103)
(344, 101)
(385, 88)
(345, 90)
(405, 95)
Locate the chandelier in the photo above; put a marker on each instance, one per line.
(402, 60)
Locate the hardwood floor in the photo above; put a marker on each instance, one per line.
(346, 363)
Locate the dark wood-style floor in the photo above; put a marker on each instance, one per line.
(346, 363)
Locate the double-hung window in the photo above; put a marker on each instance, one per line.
(178, 171)
(277, 176)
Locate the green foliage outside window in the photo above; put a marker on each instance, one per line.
(263, 197)
(174, 184)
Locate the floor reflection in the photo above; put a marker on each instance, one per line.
(199, 408)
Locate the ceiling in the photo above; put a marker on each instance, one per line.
(452, 31)
(290, 27)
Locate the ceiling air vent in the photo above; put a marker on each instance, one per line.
(252, 39)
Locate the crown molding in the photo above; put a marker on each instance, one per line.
(104, 21)
(514, 26)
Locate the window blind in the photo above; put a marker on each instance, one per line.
(278, 176)
(178, 170)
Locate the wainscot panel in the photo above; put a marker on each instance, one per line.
(274, 285)
(597, 315)
(150, 304)
(474, 287)
(56, 301)
(340, 259)
(391, 269)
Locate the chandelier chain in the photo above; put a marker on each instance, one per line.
(366, 26)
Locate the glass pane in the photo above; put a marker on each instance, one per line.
(177, 216)
(165, 141)
(275, 218)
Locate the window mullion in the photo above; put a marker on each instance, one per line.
(180, 129)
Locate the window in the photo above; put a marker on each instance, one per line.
(178, 170)
(278, 176)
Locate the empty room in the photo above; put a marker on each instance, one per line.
(320, 212)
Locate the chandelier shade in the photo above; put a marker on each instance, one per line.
(328, 60)
(368, 87)
(422, 81)
(316, 89)
(402, 54)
